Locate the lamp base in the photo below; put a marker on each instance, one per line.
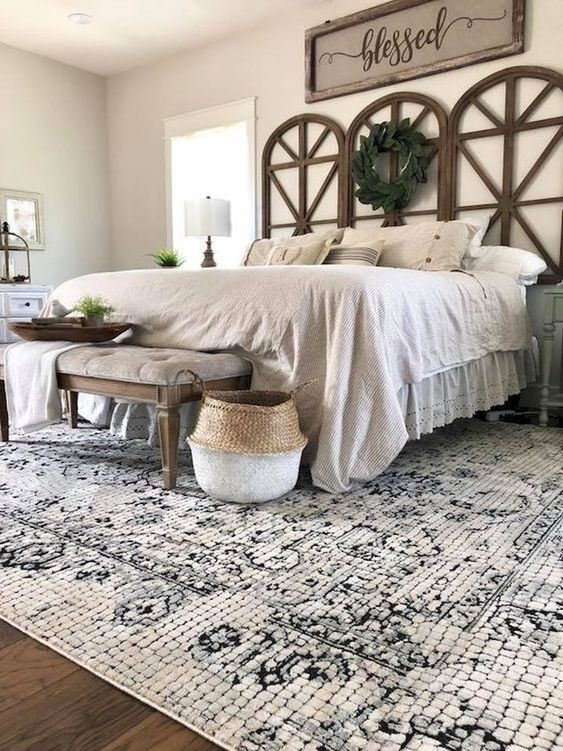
(208, 260)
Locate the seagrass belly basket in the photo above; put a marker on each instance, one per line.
(246, 445)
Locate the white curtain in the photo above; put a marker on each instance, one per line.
(214, 162)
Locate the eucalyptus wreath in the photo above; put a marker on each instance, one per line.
(413, 152)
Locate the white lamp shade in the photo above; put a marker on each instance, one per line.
(208, 217)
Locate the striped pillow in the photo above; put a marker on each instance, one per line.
(354, 255)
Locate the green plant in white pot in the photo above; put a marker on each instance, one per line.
(94, 309)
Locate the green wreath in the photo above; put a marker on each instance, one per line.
(413, 165)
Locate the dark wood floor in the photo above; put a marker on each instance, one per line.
(48, 703)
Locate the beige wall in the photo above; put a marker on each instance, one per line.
(266, 63)
(53, 140)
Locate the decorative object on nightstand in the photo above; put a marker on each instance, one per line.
(553, 314)
(208, 217)
(10, 244)
(17, 306)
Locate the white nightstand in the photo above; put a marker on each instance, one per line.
(553, 314)
(20, 302)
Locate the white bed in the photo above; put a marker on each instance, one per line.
(395, 352)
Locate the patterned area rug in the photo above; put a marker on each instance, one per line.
(421, 612)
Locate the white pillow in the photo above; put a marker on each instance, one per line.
(426, 246)
(479, 225)
(523, 266)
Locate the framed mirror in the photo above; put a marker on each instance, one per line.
(24, 213)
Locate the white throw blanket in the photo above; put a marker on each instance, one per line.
(32, 393)
(363, 333)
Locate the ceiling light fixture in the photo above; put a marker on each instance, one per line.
(80, 18)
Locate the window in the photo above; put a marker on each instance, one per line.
(211, 153)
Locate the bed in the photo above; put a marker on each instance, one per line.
(382, 344)
(395, 352)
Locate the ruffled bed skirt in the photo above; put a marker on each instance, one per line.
(460, 392)
(140, 421)
(432, 403)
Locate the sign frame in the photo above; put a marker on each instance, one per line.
(379, 12)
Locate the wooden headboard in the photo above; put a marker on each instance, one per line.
(296, 148)
(488, 155)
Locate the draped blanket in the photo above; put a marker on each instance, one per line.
(361, 332)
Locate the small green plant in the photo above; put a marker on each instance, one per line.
(167, 257)
(93, 307)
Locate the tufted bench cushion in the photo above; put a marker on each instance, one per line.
(152, 375)
(152, 365)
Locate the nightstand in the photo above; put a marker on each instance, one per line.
(20, 302)
(553, 314)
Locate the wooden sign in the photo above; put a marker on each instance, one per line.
(406, 39)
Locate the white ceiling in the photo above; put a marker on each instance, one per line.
(126, 33)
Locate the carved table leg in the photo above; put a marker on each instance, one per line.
(4, 425)
(168, 409)
(547, 353)
(72, 408)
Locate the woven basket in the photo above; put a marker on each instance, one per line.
(248, 422)
(261, 428)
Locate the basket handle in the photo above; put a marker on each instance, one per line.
(197, 380)
(304, 385)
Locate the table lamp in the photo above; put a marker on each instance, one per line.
(208, 217)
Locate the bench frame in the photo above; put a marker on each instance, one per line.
(167, 400)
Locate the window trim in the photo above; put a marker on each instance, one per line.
(242, 110)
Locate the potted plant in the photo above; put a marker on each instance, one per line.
(94, 309)
(167, 258)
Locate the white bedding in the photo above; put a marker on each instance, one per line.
(363, 333)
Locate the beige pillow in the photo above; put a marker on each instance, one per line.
(306, 254)
(427, 246)
(257, 254)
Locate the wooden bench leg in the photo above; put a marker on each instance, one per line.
(168, 408)
(72, 408)
(4, 425)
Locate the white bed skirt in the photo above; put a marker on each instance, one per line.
(432, 403)
(460, 392)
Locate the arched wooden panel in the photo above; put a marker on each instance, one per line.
(303, 144)
(477, 128)
(429, 117)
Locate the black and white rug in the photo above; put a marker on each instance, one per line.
(421, 612)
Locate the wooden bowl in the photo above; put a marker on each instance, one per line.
(32, 332)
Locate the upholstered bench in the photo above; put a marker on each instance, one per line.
(142, 374)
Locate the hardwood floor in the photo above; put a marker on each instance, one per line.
(47, 703)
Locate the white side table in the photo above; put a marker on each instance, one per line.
(553, 314)
(20, 302)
